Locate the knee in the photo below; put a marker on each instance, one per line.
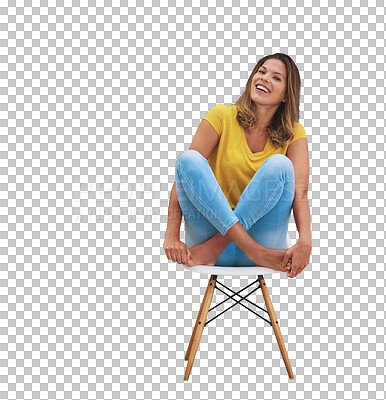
(188, 158)
(282, 165)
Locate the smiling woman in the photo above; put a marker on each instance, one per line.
(272, 114)
(236, 185)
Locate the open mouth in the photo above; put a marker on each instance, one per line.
(261, 90)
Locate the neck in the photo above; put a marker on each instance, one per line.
(263, 115)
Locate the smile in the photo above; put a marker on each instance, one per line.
(261, 91)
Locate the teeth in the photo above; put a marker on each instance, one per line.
(262, 87)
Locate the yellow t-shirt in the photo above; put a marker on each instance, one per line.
(232, 161)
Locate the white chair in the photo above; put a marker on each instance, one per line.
(214, 271)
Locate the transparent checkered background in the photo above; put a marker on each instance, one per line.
(97, 101)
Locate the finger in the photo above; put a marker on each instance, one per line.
(167, 252)
(173, 255)
(184, 257)
(187, 255)
(179, 257)
(181, 254)
(285, 260)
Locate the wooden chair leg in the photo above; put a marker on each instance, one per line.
(196, 324)
(275, 326)
(199, 326)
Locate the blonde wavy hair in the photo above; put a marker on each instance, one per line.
(280, 129)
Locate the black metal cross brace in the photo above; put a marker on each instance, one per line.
(237, 301)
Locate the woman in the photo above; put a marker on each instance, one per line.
(246, 168)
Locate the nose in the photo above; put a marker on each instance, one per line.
(265, 83)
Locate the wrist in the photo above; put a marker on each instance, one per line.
(172, 233)
(305, 240)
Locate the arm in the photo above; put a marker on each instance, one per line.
(174, 214)
(300, 253)
(297, 152)
(175, 250)
(302, 216)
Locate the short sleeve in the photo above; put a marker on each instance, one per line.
(299, 132)
(215, 118)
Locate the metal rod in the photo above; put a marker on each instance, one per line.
(262, 309)
(246, 287)
(237, 302)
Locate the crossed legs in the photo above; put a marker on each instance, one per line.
(256, 228)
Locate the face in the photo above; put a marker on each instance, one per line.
(272, 75)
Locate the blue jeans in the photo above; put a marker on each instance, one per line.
(263, 210)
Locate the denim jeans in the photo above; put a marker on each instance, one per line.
(263, 210)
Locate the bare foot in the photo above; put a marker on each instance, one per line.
(271, 258)
(202, 254)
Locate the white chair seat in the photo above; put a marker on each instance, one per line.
(234, 271)
(230, 271)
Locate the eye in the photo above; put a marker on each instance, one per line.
(275, 76)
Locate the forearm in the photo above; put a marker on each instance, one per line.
(302, 217)
(174, 214)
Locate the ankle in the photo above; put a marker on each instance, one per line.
(258, 252)
(248, 245)
(218, 243)
(221, 238)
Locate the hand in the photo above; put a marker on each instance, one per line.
(297, 258)
(176, 250)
